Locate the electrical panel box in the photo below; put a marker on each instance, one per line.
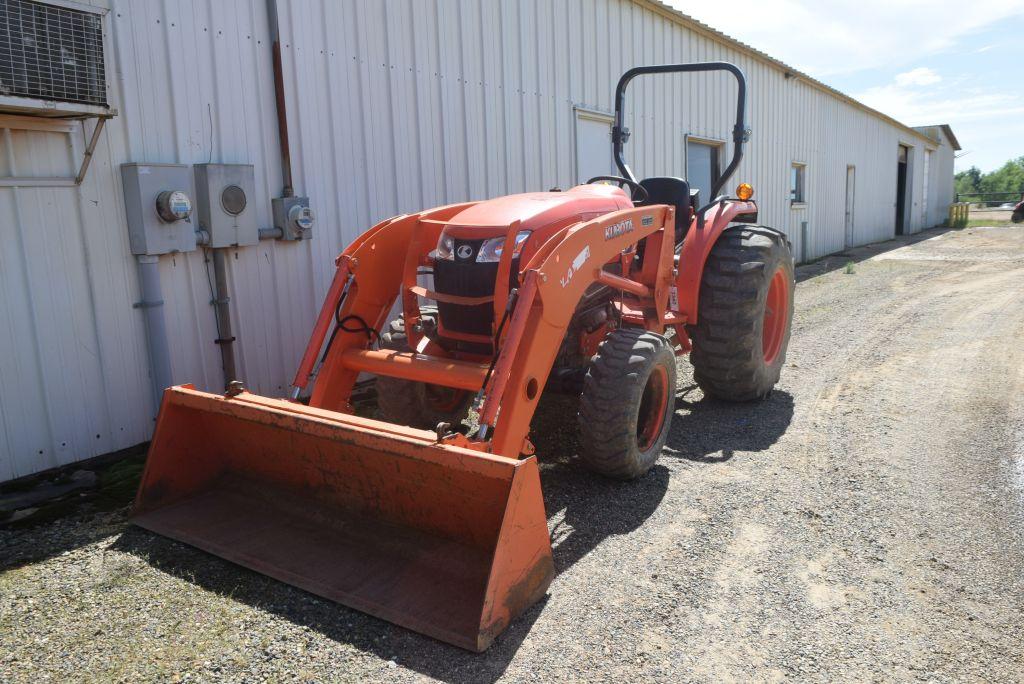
(293, 217)
(157, 200)
(225, 199)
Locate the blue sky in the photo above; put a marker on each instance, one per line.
(919, 61)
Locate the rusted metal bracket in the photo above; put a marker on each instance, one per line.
(56, 181)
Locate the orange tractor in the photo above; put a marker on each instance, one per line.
(423, 516)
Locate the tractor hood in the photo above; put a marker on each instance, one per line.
(536, 210)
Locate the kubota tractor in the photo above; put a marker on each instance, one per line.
(420, 517)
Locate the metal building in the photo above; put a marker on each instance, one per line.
(391, 105)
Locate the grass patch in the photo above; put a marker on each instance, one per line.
(849, 270)
(118, 483)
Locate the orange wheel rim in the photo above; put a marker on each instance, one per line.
(776, 313)
(653, 402)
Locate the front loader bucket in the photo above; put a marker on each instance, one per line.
(440, 539)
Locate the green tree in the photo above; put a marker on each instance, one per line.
(1007, 178)
(968, 181)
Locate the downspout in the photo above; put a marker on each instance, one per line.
(279, 98)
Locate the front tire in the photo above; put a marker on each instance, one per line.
(744, 315)
(627, 403)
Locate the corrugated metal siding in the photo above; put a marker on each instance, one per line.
(940, 176)
(393, 105)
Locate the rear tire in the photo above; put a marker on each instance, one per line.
(416, 404)
(745, 314)
(627, 403)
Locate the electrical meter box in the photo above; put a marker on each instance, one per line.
(293, 217)
(158, 206)
(225, 200)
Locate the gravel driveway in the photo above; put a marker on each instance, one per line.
(865, 522)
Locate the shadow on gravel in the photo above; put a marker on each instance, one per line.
(711, 431)
(54, 526)
(584, 510)
(855, 255)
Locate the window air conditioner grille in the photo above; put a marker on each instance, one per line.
(51, 53)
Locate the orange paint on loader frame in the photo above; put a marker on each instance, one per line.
(443, 530)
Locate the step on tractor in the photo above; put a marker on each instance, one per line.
(430, 515)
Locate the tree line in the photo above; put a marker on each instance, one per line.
(1007, 178)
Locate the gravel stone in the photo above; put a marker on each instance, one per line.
(864, 522)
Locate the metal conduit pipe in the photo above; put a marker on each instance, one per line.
(203, 237)
(279, 98)
(152, 305)
(221, 303)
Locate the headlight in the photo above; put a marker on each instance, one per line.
(445, 247)
(490, 250)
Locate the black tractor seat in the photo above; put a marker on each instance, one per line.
(677, 193)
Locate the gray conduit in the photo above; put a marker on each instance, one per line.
(222, 301)
(222, 310)
(152, 306)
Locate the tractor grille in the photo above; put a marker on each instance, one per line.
(468, 279)
(51, 53)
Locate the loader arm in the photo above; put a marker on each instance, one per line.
(554, 281)
(376, 264)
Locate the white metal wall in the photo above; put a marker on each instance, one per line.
(393, 105)
(941, 190)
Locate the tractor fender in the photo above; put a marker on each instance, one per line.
(696, 248)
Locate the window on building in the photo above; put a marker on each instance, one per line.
(702, 164)
(797, 184)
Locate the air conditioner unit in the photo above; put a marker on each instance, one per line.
(51, 59)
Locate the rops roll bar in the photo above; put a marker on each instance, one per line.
(739, 132)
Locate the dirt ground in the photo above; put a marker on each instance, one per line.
(866, 522)
(994, 215)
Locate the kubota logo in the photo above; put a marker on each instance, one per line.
(464, 252)
(620, 228)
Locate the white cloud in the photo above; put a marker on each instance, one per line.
(920, 76)
(916, 107)
(841, 36)
(984, 121)
(833, 39)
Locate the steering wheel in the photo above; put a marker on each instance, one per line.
(633, 185)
